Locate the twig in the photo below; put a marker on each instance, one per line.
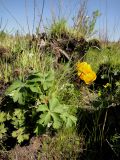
(64, 53)
(111, 147)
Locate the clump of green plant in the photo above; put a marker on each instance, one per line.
(38, 107)
(17, 119)
(2, 35)
(107, 84)
(106, 121)
(83, 23)
(65, 145)
(59, 28)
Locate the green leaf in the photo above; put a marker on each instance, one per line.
(45, 118)
(47, 80)
(20, 135)
(3, 117)
(16, 95)
(50, 76)
(68, 119)
(18, 118)
(42, 108)
(45, 85)
(69, 123)
(14, 86)
(19, 96)
(3, 130)
(71, 120)
(61, 108)
(8, 116)
(14, 134)
(42, 118)
(58, 109)
(56, 121)
(53, 103)
(34, 77)
(34, 80)
(64, 117)
(34, 88)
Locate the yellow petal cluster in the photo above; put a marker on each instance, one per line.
(85, 72)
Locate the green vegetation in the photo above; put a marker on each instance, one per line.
(42, 97)
(36, 90)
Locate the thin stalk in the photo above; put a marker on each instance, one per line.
(34, 16)
(27, 16)
(43, 5)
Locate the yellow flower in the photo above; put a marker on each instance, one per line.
(83, 67)
(85, 72)
(89, 77)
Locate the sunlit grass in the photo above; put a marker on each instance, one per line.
(105, 55)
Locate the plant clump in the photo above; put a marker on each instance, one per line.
(37, 108)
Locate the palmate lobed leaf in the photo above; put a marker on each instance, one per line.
(55, 114)
(53, 103)
(46, 85)
(61, 108)
(34, 77)
(68, 119)
(18, 118)
(64, 117)
(73, 118)
(50, 118)
(47, 80)
(58, 109)
(45, 118)
(57, 122)
(42, 108)
(14, 86)
(69, 123)
(34, 88)
(19, 96)
(20, 135)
